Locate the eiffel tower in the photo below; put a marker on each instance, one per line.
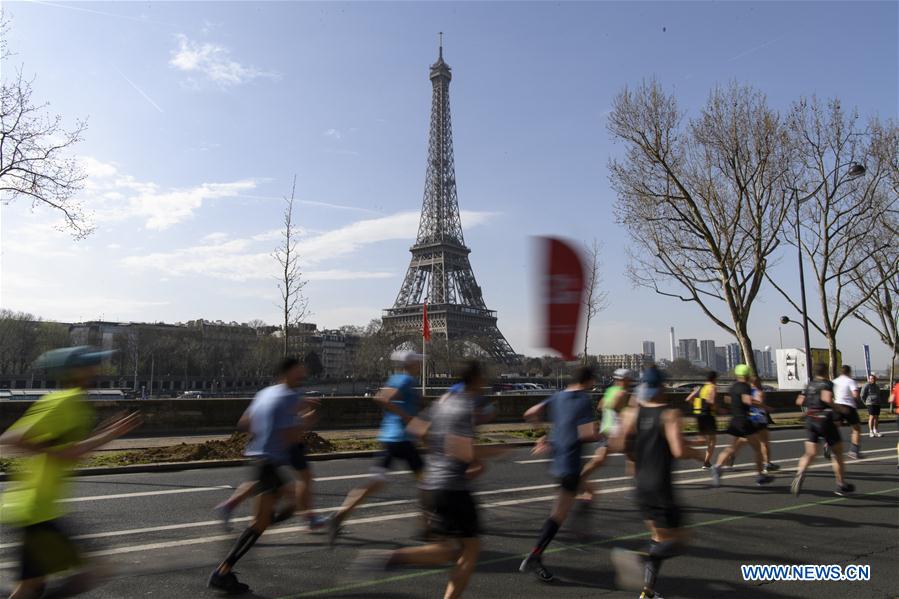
(440, 272)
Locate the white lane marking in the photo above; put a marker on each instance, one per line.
(795, 440)
(398, 516)
(351, 476)
(144, 494)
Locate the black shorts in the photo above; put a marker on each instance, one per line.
(268, 479)
(47, 549)
(706, 424)
(570, 482)
(452, 514)
(822, 428)
(298, 457)
(741, 427)
(874, 410)
(847, 414)
(659, 508)
(401, 450)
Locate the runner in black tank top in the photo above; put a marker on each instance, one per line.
(658, 441)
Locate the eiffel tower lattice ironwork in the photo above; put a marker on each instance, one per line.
(440, 272)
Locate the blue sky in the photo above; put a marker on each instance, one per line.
(200, 114)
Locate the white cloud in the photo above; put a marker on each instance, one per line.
(333, 134)
(246, 259)
(117, 196)
(213, 62)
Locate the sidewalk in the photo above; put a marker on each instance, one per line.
(362, 433)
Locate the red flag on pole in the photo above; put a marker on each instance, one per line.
(425, 325)
(563, 295)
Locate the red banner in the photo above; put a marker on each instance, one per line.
(425, 323)
(563, 295)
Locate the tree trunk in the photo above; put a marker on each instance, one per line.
(832, 356)
(746, 346)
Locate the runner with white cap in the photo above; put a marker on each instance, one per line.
(401, 402)
(614, 400)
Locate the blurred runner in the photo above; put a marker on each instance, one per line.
(272, 422)
(704, 410)
(758, 414)
(401, 402)
(299, 495)
(658, 442)
(453, 460)
(741, 427)
(870, 395)
(818, 399)
(846, 394)
(894, 406)
(570, 414)
(613, 402)
(57, 431)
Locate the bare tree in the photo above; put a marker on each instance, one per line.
(881, 310)
(35, 160)
(844, 174)
(294, 304)
(597, 298)
(703, 199)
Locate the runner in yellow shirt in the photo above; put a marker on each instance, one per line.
(704, 409)
(56, 431)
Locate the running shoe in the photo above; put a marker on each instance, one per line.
(871, 435)
(533, 563)
(771, 467)
(706, 465)
(855, 455)
(227, 583)
(715, 471)
(629, 567)
(317, 523)
(334, 529)
(224, 511)
(844, 489)
(763, 479)
(878, 434)
(796, 485)
(646, 595)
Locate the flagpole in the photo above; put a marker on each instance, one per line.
(425, 333)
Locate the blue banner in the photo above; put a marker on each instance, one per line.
(867, 360)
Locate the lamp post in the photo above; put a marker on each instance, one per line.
(855, 171)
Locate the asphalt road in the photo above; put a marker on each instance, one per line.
(160, 536)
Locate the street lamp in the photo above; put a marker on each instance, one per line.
(855, 171)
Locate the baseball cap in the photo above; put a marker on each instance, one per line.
(406, 357)
(742, 370)
(71, 357)
(623, 373)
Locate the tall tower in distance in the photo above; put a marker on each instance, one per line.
(673, 347)
(440, 273)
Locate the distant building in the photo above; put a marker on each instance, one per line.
(734, 355)
(688, 349)
(721, 359)
(763, 363)
(673, 345)
(649, 350)
(615, 361)
(707, 353)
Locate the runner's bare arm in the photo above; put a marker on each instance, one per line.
(385, 398)
(19, 438)
(680, 449)
(628, 425)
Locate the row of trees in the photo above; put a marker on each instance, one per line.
(710, 203)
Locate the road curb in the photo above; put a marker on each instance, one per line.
(315, 457)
